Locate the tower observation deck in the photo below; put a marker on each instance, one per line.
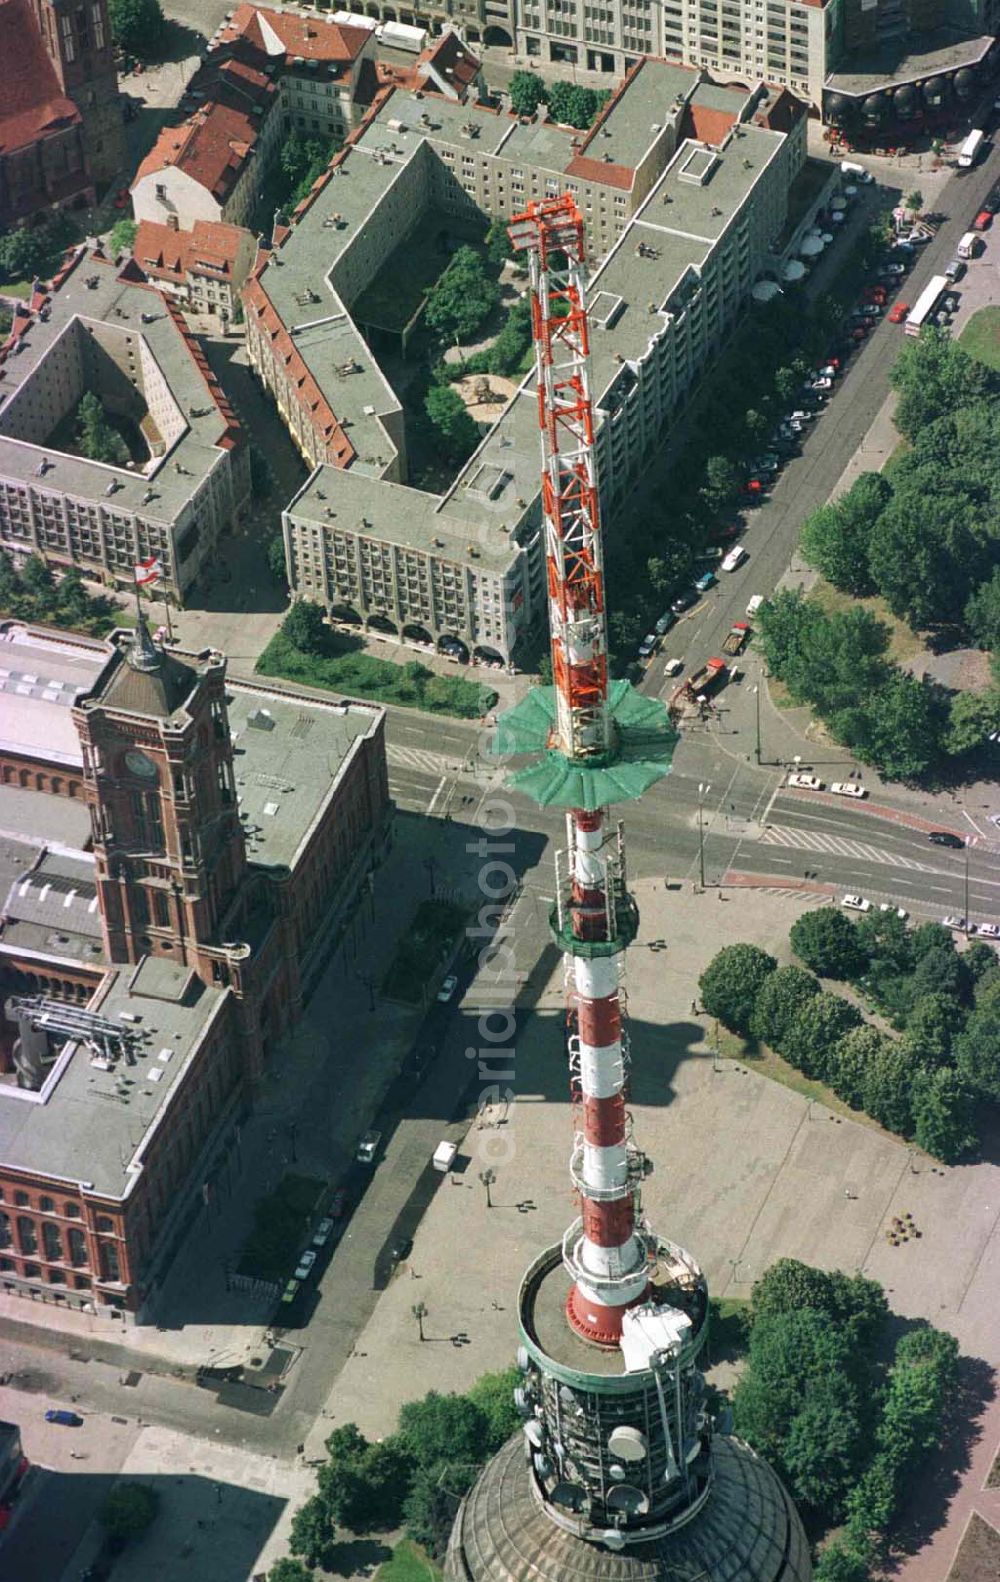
(618, 1476)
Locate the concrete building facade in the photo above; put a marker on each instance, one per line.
(684, 187)
(104, 328)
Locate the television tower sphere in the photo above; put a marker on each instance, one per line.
(617, 1476)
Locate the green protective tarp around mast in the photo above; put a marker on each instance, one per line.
(644, 742)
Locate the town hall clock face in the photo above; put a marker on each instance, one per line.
(138, 764)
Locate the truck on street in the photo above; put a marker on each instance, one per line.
(738, 638)
(971, 149)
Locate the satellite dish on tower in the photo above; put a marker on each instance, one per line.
(627, 1444)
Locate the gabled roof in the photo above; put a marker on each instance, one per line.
(211, 147)
(32, 103)
(311, 37)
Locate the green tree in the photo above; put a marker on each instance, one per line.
(840, 1561)
(943, 1116)
(884, 937)
(441, 1428)
(835, 538)
(38, 582)
(305, 628)
(941, 970)
(930, 936)
(22, 253)
(432, 1502)
(462, 297)
(721, 485)
(731, 982)
(972, 719)
(527, 92)
(128, 1511)
(498, 243)
(285, 1570)
(312, 1531)
(456, 431)
(828, 942)
(493, 1394)
(122, 237)
(933, 374)
(886, 1087)
(982, 612)
(507, 352)
(923, 553)
(779, 998)
(932, 1027)
(815, 1031)
(669, 570)
(914, 201)
(980, 961)
(97, 439)
(856, 1304)
(274, 554)
(977, 1050)
(561, 101)
(10, 583)
(850, 1061)
(137, 26)
(897, 727)
(796, 1360)
(364, 1485)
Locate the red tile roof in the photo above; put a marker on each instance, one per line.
(211, 247)
(708, 124)
(312, 38)
(452, 60)
(211, 147)
(33, 102)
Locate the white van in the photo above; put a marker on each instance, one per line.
(755, 604)
(732, 562)
(969, 246)
(856, 172)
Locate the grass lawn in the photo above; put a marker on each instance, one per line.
(428, 940)
(904, 644)
(767, 1063)
(981, 337)
(355, 674)
(409, 1563)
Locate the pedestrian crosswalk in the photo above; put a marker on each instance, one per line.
(420, 758)
(839, 846)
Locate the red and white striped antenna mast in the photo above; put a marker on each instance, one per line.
(606, 1256)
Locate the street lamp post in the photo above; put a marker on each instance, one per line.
(703, 789)
(756, 699)
(965, 908)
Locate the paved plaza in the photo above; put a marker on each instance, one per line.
(747, 1171)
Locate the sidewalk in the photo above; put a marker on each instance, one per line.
(316, 1099)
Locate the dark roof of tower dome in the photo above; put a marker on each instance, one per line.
(149, 681)
(748, 1531)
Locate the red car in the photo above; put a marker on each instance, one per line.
(983, 220)
(874, 294)
(899, 313)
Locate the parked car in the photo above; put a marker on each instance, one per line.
(951, 302)
(447, 989)
(983, 220)
(944, 837)
(673, 667)
(755, 604)
(805, 782)
(856, 903)
(992, 199)
(735, 558)
(305, 1263)
(684, 602)
(712, 553)
(64, 1417)
(951, 921)
(895, 267)
(666, 621)
(955, 269)
(989, 930)
(368, 1147)
(848, 788)
(802, 415)
(705, 581)
(323, 1230)
(898, 312)
(900, 911)
(290, 1292)
(649, 645)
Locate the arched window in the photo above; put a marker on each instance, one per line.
(5, 1235)
(110, 1267)
(77, 1247)
(52, 1242)
(26, 1234)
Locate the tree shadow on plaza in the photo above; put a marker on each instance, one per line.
(937, 1484)
(202, 1528)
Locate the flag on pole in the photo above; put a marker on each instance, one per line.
(147, 571)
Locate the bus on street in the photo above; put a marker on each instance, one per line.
(970, 150)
